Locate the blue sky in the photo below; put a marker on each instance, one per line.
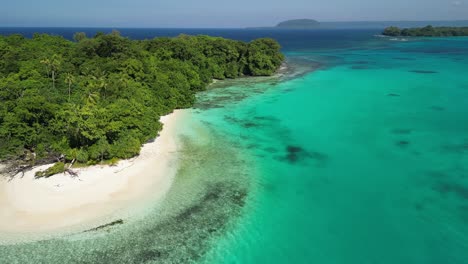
(218, 13)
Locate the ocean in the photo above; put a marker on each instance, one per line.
(357, 154)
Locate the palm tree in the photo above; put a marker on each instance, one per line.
(123, 80)
(100, 81)
(92, 97)
(92, 93)
(46, 62)
(52, 66)
(73, 154)
(69, 79)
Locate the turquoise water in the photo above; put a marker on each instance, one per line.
(364, 159)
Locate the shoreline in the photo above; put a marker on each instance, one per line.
(34, 208)
(289, 69)
(280, 73)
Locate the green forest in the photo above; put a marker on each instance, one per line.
(427, 31)
(99, 98)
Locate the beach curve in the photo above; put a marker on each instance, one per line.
(63, 204)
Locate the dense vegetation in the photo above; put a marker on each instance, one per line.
(428, 31)
(100, 98)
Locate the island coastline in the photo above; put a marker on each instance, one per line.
(61, 204)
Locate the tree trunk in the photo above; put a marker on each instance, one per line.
(71, 164)
(53, 79)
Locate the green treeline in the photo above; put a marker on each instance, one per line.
(428, 31)
(100, 98)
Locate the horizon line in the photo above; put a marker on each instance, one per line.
(156, 27)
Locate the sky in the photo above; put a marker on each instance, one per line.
(218, 13)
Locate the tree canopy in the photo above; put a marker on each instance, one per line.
(100, 98)
(427, 31)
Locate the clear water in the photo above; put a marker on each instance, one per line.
(363, 160)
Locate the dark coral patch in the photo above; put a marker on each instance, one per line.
(250, 125)
(216, 193)
(437, 108)
(252, 146)
(266, 118)
(231, 119)
(295, 154)
(393, 95)
(419, 206)
(148, 255)
(402, 143)
(423, 71)
(456, 148)
(453, 188)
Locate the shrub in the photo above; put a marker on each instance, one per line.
(82, 156)
(114, 161)
(126, 147)
(58, 167)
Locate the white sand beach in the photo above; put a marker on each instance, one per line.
(99, 194)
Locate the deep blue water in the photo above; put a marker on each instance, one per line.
(289, 39)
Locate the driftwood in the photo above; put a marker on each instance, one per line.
(20, 167)
(71, 172)
(11, 171)
(117, 222)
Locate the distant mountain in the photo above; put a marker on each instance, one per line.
(298, 24)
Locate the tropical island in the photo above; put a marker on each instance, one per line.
(298, 24)
(294, 24)
(97, 100)
(427, 31)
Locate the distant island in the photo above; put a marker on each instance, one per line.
(427, 31)
(311, 24)
(294, 24)
(299, 24)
